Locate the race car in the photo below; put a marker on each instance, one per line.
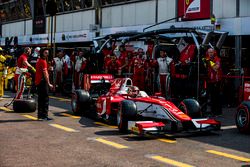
(242, 116)
(140, 113)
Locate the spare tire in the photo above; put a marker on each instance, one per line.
(127, 111)
(80, 102)
(242, 117)
(191, 107)
(24, 105)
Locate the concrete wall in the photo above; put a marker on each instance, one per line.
(224, 8)
(244, 8)
(139, 13)
(16, 29)
(166, 10)
(74, 21)
(64, 23)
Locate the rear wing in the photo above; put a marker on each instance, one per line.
(90, 79)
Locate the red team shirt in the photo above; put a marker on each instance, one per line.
(21, 59)
(41, 66)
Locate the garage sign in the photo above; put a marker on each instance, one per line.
(194, 9)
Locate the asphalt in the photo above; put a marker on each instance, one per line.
(80, 141)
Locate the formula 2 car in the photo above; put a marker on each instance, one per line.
(141, 114)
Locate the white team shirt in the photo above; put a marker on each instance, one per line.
(58, 64)
(79, 61)
(163, 63)
(66, 59)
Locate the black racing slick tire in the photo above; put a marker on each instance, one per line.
(191, 107)
(79, 102)
(242, 117)
(126, 112)
(24, 105)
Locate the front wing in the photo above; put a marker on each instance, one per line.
(151, 127)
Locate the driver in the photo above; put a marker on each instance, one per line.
(133, 91)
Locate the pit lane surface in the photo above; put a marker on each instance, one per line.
(78, 141)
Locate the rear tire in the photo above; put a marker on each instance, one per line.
(127, 111)
(242, 117)
(79, 102)
(191, 107)
(24, 105)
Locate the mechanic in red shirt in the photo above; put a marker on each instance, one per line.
(114, 66)
(138, 70)
(22, 71)
(213, 64)
(42, 82)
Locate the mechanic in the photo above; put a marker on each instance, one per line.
(33, 60)
(22, 71)
(114, 66)
(3, 72)
(67, 64)
(106, 53)
(213, 64)
(42, 82)
(123, 58)
(57, 71)
(163, 63)
(138, 73)
(80, 66)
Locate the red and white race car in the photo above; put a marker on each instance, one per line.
(108, 98)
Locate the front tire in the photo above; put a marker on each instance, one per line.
(191, 107)
(242, 117)
(24, 105)
(126, 112)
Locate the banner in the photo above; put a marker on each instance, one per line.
(39, 25)
(194, 9)
(74, 36)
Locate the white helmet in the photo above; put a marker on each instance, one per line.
(37, 49)
(36, 52)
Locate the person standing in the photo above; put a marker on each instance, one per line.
(80, 66)
(21, 71)
(2, 72)
(213, 64)
(43, 84)
(163, 63)
(57, 72)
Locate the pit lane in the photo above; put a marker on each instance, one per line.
(84, 142)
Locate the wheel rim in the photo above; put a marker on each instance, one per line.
(242, 118)
(73, 103)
